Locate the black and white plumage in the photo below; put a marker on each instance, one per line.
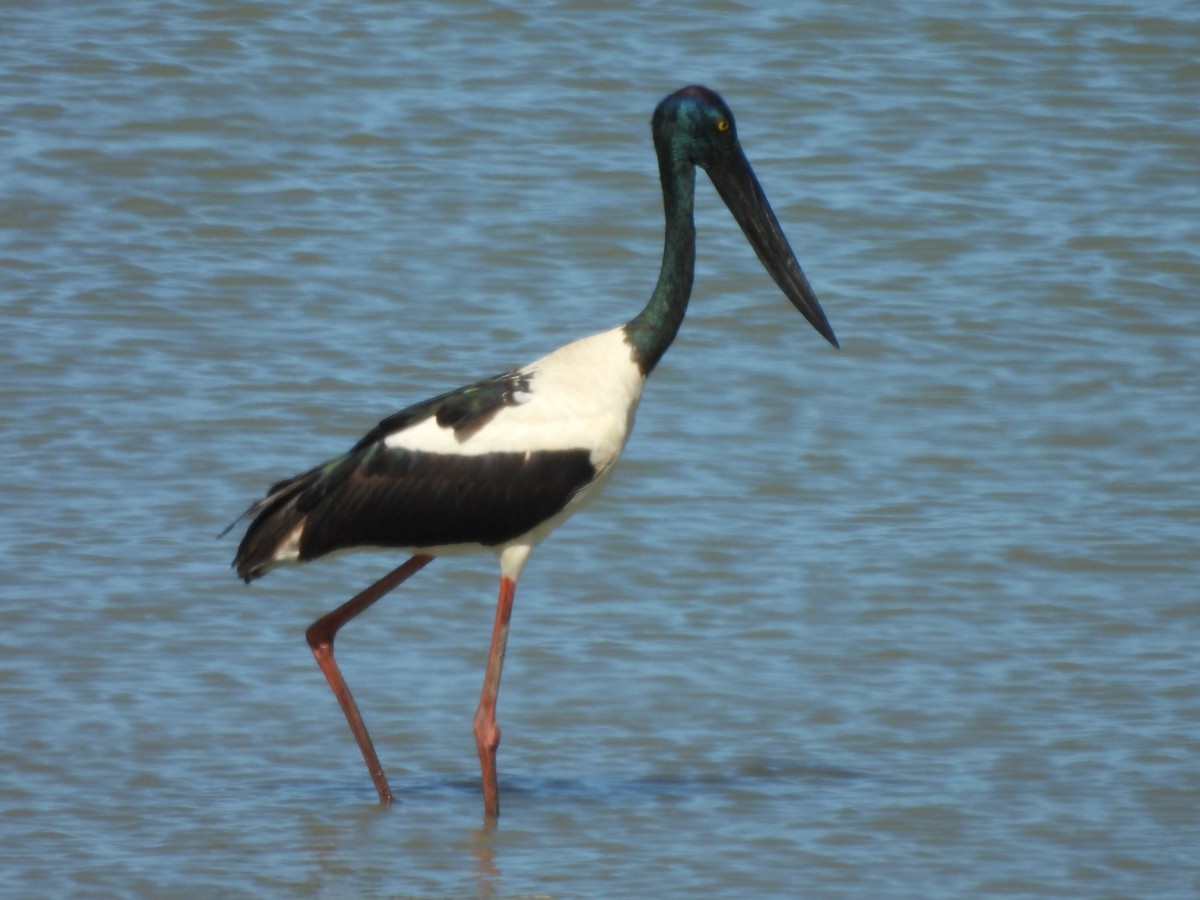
(497, 465)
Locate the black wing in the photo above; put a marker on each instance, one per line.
(383, 496)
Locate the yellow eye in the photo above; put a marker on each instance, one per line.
(723, 125)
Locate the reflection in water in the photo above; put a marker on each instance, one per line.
(483, 849)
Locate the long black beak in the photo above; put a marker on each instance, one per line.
(735, 182)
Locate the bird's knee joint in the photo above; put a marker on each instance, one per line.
(487, 732)
(318, 637)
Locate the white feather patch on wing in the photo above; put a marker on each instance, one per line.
(581, 396)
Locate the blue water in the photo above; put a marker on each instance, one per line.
(916, 618)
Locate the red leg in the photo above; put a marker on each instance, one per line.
(320, 638)
(487, 732)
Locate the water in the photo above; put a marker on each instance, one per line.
(916, 618)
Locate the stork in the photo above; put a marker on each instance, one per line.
(499, 464)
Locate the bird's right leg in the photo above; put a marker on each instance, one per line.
(487, 731)
(320, 638)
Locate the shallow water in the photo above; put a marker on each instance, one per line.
(916, 618)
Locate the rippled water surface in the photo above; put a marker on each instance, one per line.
(916, 618)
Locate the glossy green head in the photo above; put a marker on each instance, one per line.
(695, 127)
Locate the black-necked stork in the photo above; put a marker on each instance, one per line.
(497, 465)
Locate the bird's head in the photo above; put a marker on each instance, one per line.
(696, 126)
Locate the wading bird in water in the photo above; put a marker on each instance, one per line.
(497, 465)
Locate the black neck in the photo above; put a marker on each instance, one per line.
(653, 329)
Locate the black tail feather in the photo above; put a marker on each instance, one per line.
(274, 517)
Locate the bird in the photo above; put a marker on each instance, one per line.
(500, 463)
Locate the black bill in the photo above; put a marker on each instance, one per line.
(739, 188)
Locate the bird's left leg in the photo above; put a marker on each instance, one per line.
(320, 637)
(487, 732)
